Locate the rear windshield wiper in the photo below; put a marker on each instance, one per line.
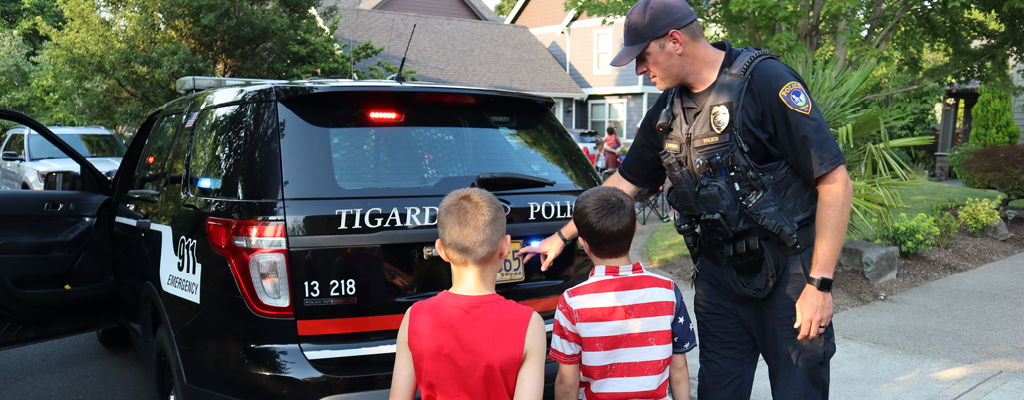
(500, 181)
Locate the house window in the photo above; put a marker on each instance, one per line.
(604, 112)
(602, 51)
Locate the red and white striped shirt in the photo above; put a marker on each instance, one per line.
(623, 325)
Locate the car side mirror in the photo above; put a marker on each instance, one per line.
(63, 180)
(12, 156)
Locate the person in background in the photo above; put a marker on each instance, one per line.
(612, 149)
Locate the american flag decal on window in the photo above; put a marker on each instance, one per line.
(192, 120)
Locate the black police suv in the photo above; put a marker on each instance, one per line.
(263, 241)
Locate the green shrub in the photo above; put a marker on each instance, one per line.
(956, 156)
(993, 117)
(912, 236)
(979, 213)
(997, 167)
(948, 225)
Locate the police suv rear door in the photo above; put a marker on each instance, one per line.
(56, 276)
(364, 173)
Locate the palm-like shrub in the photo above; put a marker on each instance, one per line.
(876, 170)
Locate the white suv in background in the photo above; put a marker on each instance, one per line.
(27, 156)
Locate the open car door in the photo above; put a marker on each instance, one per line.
(56, 264)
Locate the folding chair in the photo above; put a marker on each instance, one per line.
(649, 202)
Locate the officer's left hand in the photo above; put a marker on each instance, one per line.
(813, 312)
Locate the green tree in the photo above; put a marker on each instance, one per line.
(993, 115)
(914, 42)
(113, 61)
(504, 7)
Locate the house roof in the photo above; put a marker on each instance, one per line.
(478, 6)
(460, 51)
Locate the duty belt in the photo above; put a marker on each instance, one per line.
(720, 254)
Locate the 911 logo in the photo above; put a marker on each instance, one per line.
(186, 255)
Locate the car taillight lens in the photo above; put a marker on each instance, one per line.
(257, 253)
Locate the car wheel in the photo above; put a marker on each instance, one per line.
(115, 336)
(165, 368)
(24, 186)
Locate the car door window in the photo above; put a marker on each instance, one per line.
(16, 144)
(151, 173)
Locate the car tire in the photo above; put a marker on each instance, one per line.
(115, 336)
(24, 186)
(165, 366)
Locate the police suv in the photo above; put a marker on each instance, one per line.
(263, 240)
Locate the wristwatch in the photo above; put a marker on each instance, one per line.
(823, 284)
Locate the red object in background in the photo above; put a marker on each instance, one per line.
(591, 157)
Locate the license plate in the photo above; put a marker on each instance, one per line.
(512, 271)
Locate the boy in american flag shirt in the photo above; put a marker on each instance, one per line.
(623, 333)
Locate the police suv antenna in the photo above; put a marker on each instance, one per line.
(398, 77)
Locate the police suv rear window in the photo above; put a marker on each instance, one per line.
(412, 143)
(235, 154)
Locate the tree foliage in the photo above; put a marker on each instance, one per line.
(914, 42)
(504, 7)
(110, 62)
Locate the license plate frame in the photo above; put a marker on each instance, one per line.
(512, 270)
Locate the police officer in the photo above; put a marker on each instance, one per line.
(754, 165)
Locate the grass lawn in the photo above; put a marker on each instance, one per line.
(666, 244)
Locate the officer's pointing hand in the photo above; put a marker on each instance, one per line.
(548, 249)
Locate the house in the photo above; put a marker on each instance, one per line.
(453, 46)
(584, 46)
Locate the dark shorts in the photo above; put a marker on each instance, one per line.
(733, 331)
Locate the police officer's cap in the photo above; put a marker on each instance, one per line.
(648, 20)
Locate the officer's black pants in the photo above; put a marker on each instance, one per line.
(733, 330)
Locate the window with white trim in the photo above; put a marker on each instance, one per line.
(602, 51)
(603, 112)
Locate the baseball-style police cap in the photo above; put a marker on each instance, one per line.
(648, 20)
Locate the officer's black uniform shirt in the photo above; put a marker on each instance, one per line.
(772, 129)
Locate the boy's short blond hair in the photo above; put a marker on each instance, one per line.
(470, 224)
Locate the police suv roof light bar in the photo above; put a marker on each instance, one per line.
(192, 84)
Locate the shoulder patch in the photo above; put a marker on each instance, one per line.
(795, 97)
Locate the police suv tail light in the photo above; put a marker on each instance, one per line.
(257, 254)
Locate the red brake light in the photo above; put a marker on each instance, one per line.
(150, 159)
(257, 252)
(448, 98)
(385, 116)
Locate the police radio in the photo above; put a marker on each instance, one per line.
(666, 117)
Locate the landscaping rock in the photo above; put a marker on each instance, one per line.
(997, 231)
(877, 262)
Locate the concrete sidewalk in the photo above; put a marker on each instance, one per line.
(961, 337)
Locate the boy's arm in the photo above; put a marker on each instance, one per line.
(403, 379)
(678, 375)
(567, 384)
(530, 381)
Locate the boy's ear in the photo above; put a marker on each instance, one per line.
(440, 251)
(506, 244)
(586, 246)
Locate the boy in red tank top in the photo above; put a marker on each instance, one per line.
(622, 333)
(468, 342)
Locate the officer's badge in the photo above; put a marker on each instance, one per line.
(719, 118)
(795, 97)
